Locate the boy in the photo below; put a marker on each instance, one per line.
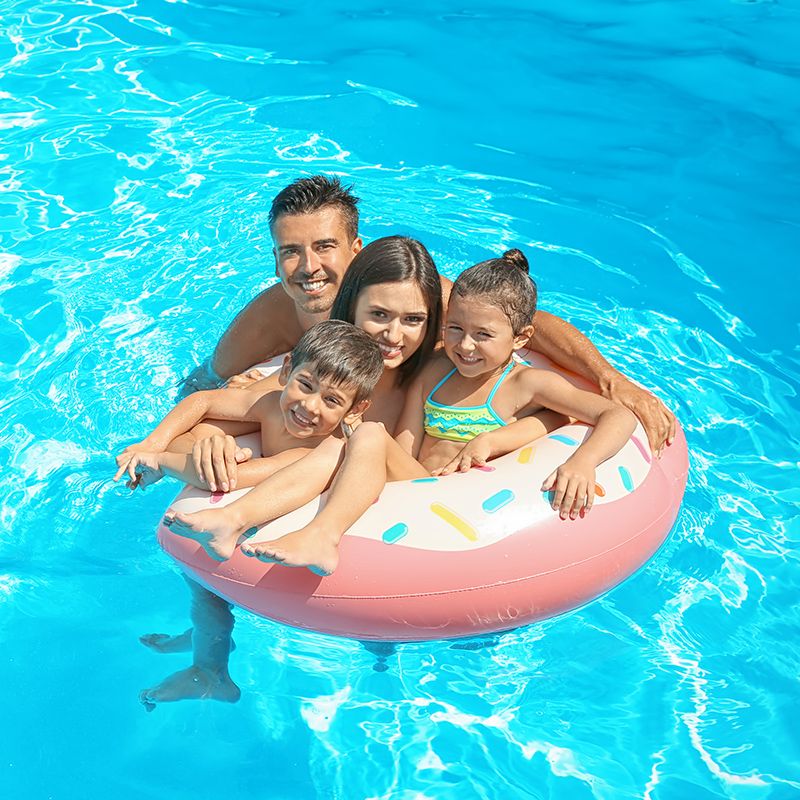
(327, 381)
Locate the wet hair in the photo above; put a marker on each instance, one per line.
(343, 353)
(307, 195)
(503, 282)
(395, 259)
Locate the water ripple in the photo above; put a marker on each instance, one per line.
(142, 144)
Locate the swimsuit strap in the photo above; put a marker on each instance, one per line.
(508, 369)
(441, 383)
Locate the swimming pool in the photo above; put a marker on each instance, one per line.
(644, 154)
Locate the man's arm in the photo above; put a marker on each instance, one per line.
(569, 348)
(265, 327)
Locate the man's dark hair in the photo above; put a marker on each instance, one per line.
(505, 283)
(342, 353)
(307, 195)
(395, 259)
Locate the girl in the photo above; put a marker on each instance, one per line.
(480, 396)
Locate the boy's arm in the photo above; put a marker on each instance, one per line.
(569, 348)
(217, 404)
(144, 469)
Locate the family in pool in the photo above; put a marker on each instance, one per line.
(392, 373)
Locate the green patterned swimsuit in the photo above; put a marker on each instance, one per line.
(462, 423)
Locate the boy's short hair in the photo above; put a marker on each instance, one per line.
(343, 353)
(504, 282)
(307, 195)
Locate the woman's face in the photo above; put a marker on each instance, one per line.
(396, 317)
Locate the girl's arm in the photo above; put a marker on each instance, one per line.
(572, 483)
(499, 442)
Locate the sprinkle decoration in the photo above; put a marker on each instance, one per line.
(599, 490)
(497, 501)
(525, 455)
(627, 481)
(642, 448)
(459, 523)
(395, 533)
(559, 437)
(425, 480)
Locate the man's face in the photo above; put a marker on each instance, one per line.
(312, 254)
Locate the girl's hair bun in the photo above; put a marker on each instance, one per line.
(517, 258)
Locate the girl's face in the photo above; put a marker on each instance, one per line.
(478, 337)
(396, 317)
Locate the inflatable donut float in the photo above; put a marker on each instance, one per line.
(461, 555)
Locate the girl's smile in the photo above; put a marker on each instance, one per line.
(478, 337)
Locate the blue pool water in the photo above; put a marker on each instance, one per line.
(644, 153)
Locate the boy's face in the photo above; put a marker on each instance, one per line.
(312, 253)
(314, 406)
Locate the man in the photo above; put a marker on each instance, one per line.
(314, 226)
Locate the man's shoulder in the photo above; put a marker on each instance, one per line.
(272, 318)
(275, 299)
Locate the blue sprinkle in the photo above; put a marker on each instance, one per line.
(395, 533)
(558, 437)
(627, 481)
(425, 480)
(497, 501)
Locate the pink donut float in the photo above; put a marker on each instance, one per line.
(461, 555)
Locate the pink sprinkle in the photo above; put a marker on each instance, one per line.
(216, 497)
(642, 449)
(485, 469)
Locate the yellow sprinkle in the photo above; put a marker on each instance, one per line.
(460, 524)
(525, 455)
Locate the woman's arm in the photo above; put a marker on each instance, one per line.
(569, 348)
(410, 426)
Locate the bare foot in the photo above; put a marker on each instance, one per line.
(165, 643)
(308, 547)
(191, 684)
(217, 530)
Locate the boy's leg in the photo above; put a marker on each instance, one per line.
(219, 530)
(208, 677)
(371, 455)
